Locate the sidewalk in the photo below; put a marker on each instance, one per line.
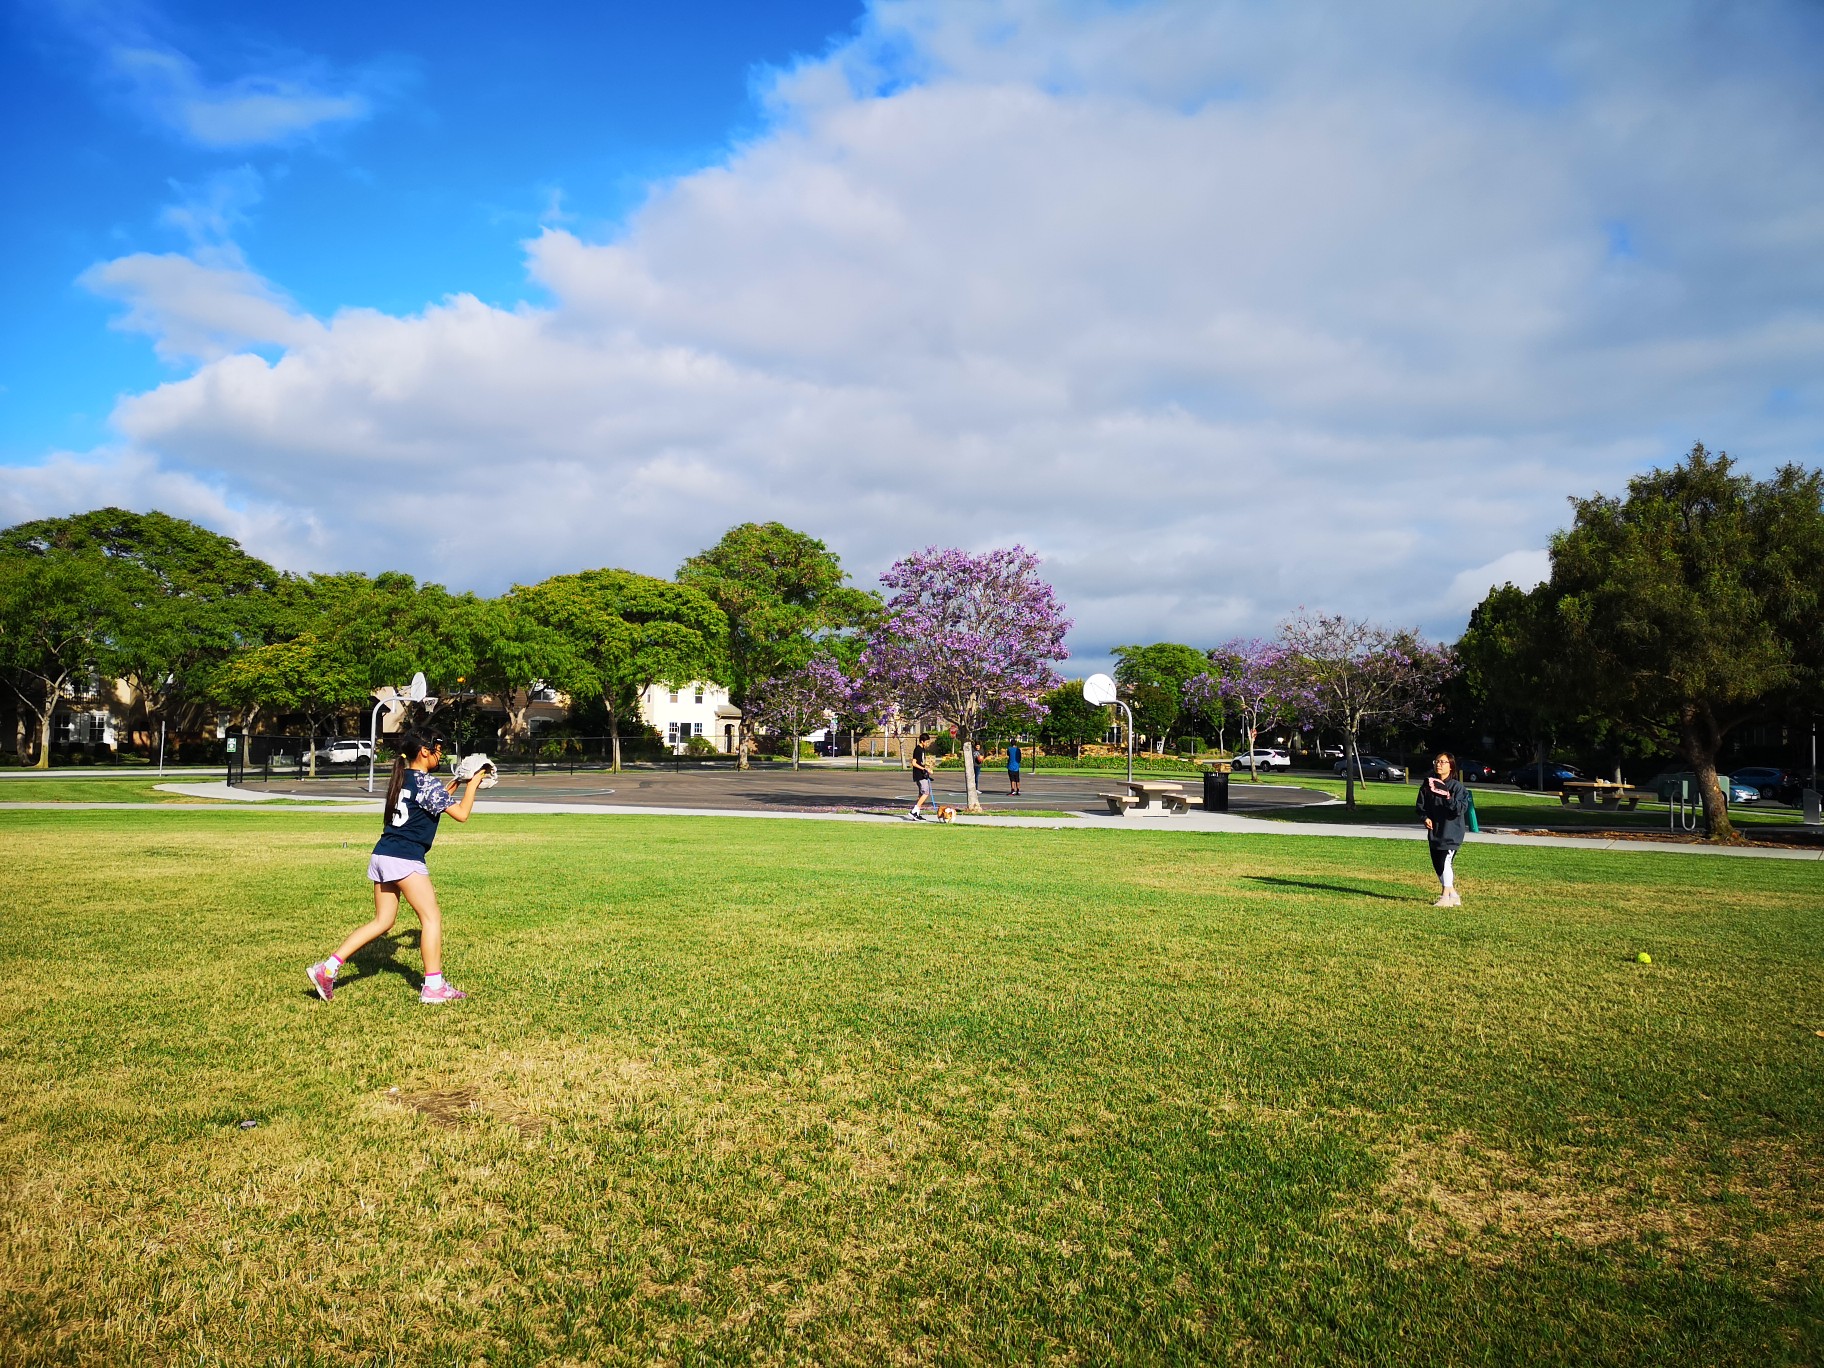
(1207, 822)
(223, 798)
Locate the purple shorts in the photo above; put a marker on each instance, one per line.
(391, 868)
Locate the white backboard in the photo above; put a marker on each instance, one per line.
(1098, 688)
(418, 689)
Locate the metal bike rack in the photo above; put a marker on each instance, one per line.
(1685, 812)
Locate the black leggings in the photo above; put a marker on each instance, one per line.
(1439, 854)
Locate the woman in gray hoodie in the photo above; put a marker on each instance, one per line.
(1444, 804)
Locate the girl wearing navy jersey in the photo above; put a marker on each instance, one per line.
(414, 803)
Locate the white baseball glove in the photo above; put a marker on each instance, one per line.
(477, 763)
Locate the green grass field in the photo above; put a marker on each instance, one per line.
(783, 1091)
(97, 788)
(1500, 806)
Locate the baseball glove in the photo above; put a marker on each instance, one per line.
(474, 763)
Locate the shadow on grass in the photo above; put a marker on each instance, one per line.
(1353, 889)
(380, 957)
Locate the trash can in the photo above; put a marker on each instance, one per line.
(1216, 789)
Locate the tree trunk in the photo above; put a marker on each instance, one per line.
(975, 798)
(797, 743)
(614, 732)
(1253, 760)
(44, 728)
(741, 742)
(1700, 739)
(1351, 759)
(519, 703)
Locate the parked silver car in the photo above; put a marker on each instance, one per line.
(344, 752)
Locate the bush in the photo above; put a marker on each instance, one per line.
(1190, 745)
(943, 745)
(700, 745)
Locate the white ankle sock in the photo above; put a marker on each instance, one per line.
(433, 980)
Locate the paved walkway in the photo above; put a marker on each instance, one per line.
(833, 797)
(1212, 822)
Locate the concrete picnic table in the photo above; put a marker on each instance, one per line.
(1592, 792)
(1141, 793)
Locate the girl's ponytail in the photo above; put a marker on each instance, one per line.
(410, 743)
(393, 785)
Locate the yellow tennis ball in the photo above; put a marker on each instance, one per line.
(1644, 957)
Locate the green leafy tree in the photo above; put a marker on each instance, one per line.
(783, 594)
(343, 636)
(1512, 663)
(1692, 606)
(1153, 678)
(195, 598)
(61, 614)
(514, 650)
(625, 632)
(1071, 721)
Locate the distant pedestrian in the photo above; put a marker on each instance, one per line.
(975, 761)
(921, 775)
(1444, 804)
(1013, 767)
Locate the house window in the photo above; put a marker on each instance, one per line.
(699, 695)
(674, 695)
(671, 732)
(696, 729)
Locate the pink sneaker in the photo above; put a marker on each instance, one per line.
(322, 980)
(443, 994)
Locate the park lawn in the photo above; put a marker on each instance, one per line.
(99, 788)
(771, 1091)
(1498, 807)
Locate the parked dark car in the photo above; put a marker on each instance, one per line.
(1372, 767)
(1548, 778)
(1476, 772)
(1781, 785)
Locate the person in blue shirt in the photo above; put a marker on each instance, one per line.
(1013, 767)
(415, 802)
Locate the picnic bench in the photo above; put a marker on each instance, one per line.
(1600, 793)
(1141, 793)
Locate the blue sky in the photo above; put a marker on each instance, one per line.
(465, 133)
(1223, 307)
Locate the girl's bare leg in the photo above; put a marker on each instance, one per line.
(423, 898)
(386, 911)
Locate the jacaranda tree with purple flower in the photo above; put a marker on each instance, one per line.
(802, 700)
(1256, 680)
(965, 634)
(1354, 673)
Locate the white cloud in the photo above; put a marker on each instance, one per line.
(1222, 308)
(1524, 569)
(200, 309)
(248, 111)
(65, 483)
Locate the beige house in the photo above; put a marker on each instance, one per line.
(698, 709)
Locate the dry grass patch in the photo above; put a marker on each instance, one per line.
(1465, 1198)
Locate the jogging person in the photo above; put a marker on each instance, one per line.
(1013, 767)
(1444, 803)
(414, 803)
(921, 775)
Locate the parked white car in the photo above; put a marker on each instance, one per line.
(344, 752)
(1262, 759)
